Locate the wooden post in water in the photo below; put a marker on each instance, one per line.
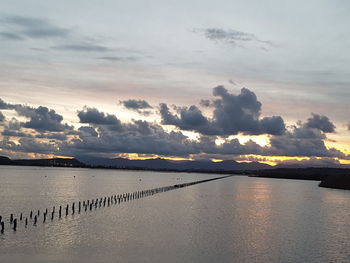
(2, 227)
(67, 207)
(35, 220)
(60, 212)
(11, 218)
(26, 222)
(31, 214)
(15, 224)
(20, 217)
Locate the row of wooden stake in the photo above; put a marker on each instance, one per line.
(89, 205)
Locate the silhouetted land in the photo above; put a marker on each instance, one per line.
(338, 181)
(338, 178)
(316, 174)
(330, 177)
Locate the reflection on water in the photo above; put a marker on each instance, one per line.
(237, 219)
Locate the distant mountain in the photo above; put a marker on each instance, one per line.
(5, 160)
(317, 174)
(338, 181)
(163, 164)
(61, 162)
(50, 162)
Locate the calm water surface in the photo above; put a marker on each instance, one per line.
(236, 219)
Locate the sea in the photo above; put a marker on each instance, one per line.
(234, 219)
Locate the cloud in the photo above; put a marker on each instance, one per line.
(5, 106)
(136, 104)
(15, 133)
(10, 36)
(88, 130)
(93, 116)
(2, 117)
(54, 136)
(139, 106)
(230, 36)
(28, 145)
(302, 141)
(312, 162)
(32, 28)
(232, 114)
(232, 82)
(85, 47)
(320, 122)
(41, 118)
(137, 136)
(349, 126)
(122, 59)
(22, 27)
(103, 134)
(205, 103)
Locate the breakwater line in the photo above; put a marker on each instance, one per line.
(35, 217)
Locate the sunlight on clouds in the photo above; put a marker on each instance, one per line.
(270, 160)
(138, 156)
(262, 140)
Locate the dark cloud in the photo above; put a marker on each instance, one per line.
(88, 130)
(302, 141)
(272, 125)
(41, 118)
(137, 136)
(15, 133)
(121, 59)
(5, 106)
(21, 28)
(232, 82)
(136, 104)
(93, 116)
(54, 136)
(191, 118)
(312, 162)
(85, 47)
(104, 134)
(230, 36)
(2, 117)
(321, 123)
(32, 28)
(232, 114)
(29, 145)
(140, 106)
(205, 103)
(10, 36)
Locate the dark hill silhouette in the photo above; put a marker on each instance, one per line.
(317, 174)
(61, 162)
(5, 160)
(163, 164)
(338, 181)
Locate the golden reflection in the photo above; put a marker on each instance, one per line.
(258, 215)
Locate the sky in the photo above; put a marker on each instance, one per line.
(261, 81)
